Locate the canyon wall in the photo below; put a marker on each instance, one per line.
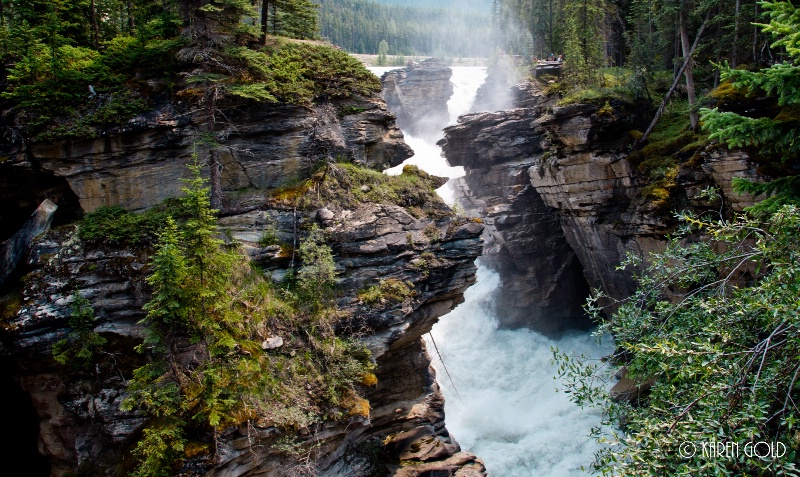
(563, 201)
(82, 428)
(140, 164)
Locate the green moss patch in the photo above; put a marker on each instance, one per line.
(415, 190)
(387, 292)
(670, 147)
(599, 96)
(298, 73)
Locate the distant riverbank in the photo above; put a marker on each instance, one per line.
(370, 60)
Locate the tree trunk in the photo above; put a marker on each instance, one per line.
(550, 42)
(755, 33)
(264, 23)
(215, 167)
(13, 250)
(675, 81)
(735, 52)
(694, 118)
(131, 24)
(95, 29)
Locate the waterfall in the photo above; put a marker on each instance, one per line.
(503, 404)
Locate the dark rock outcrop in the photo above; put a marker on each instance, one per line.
(543, 284)
(563, 203)
(13, 250)
(82, 424)
(418, 95)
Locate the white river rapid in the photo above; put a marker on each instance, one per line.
(502, 403)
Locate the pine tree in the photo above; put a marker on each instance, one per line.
(81, 346)
(166, 310)
(584, 41)
(774, 137)
(383, 49)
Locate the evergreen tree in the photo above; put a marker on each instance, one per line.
(776, 137)
(383, 49)
(166, 310)
(584, 49)
(80, 348)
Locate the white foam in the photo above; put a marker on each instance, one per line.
(506, 409)
(427, 155)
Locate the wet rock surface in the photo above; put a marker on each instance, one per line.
(418, 95)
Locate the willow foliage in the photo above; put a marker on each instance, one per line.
(724, 358)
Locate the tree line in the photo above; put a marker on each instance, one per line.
(650, 34)
(359, 26)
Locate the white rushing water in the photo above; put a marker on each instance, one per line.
(427, 155)
(502, 403)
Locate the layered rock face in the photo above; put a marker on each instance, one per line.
(82, 428)
(563, 203)
(418, 95)
(543, 284)
(141, 164)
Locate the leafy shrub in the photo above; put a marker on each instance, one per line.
(724, 357)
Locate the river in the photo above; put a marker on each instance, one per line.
(502, 398)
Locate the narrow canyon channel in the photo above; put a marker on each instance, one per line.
(503, 400)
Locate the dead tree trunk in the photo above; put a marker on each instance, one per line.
(677, 79)
(14, 249)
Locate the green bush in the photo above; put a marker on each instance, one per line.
(298, 73)
(415, 190)
(115, 225)
(80, 348)
(49, 87)
(387, 292)
(724, 357)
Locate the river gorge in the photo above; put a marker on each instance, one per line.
(546, 204)
(501, 394)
